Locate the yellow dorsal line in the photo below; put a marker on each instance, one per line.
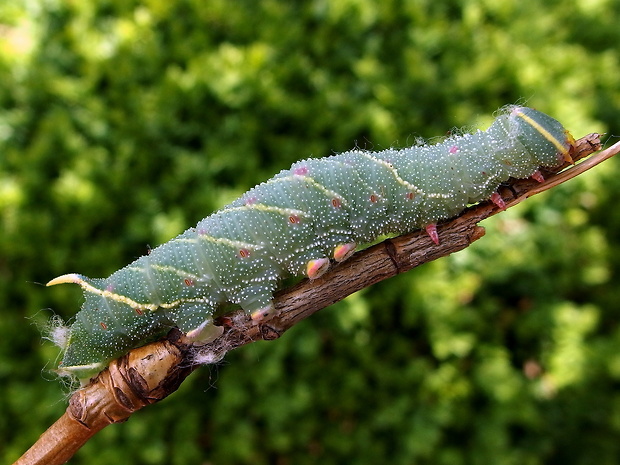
(393, 170)
(219, 240)
(403, 182)
(172, 269)
(546, 134)
(267, 208)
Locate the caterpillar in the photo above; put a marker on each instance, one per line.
(298, 223)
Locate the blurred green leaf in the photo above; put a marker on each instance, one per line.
(124, 122)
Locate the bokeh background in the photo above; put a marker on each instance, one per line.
(123, 122)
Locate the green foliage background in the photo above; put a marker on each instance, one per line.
(123, 122)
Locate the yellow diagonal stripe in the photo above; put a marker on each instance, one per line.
(546, 134)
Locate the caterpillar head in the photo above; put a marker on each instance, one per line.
(542, 134)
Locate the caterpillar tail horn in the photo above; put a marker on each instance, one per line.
(71, 278)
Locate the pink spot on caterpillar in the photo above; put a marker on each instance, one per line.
(301, 171)
(431, 230)
(138, 310)
(104, 326)
(251, 200)
(316, 268)
(410, 195)
(293, 219)
(498, 201)
(537, 175)
(188, 282)
(374, 198)
(336, 203)
(454, 149)
(344, 251)
(244, 253)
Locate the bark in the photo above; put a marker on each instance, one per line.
(150, 373)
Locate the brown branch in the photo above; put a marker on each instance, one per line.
(150, 373)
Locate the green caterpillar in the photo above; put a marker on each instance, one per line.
(296, 224)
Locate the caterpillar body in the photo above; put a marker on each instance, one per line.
(296, 223)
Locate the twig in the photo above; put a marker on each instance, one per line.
(151, 373)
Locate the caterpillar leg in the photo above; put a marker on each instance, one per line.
(317, 267)
(314, 269)
(205, 333)
(431, 230)
(537, 176)
(344, 251)
(263, 314)
(196, 321)
(498, 201)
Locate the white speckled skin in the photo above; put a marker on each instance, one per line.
(292, 225)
